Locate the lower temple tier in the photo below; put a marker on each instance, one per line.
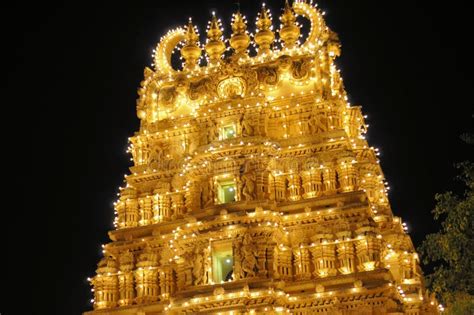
(330, 255)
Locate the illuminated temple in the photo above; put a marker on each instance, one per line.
(253, 189)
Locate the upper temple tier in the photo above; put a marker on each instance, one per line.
(253, 188)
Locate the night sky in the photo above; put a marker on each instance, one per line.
(69, 106)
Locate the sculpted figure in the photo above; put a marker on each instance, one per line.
(249, 253)
(198, 268)
(248, 183)
(207, 194)
(247, 125)
(213, 132)
(316, 123)
(237, 272)
(207, 265)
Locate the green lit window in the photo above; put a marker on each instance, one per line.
(222, 262)
(228, 132)
(226, 191)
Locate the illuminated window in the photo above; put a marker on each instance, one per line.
(226, 191)
(228, 131)
(222, 262)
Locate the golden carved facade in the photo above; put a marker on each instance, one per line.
(253, 189)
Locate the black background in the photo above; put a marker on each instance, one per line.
(68, 106)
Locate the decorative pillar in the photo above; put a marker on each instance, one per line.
(262, 259)
(348, 177)
(280, 188)
(368, 182)
(302, 263)
(345, 252)
(166, 282)
(192, 195)
(323, 253)
(312, 183)
(329, 178)
(282, 263)
(407, 266)
(177, 204)
(184, 272)
(367, 249)
(294, 187)
(127, 209)
(161, 205)
(105, 284)
(146, 210)
(146, 277)
(125, 278)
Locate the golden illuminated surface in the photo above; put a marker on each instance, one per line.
(253, 188)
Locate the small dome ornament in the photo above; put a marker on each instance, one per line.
(265, 36)
(215, 46)
(191, 51)
(240, 40)
(290, 31)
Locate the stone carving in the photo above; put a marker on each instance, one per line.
(213, 132)
(237, 272)
(248, 126)
(207, 193)
(267, 75)
(317, 123)
(198, 268)
(202, 88)
(231, 88)
(207, 277)
(248, 183)
(300, 69)
(249, 257)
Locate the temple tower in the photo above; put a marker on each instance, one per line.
(253, 188)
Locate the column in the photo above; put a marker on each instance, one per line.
(105, 284)
(329, 178)
(312, 183)
(177, 204)
(146, 277)
(125, 278)
(302, 263)
(146, 210)
(367, 249)
(294, 187)
(348, 176)
(345, 253)
(323, 253)
(166, 282)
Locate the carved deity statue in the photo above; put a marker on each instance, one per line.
(198, 266)
(207, 266)
(249, 254)
(248, 126)
(317, 124)
(207, 194)
(213, 132)
(237, 272)
(248, 183)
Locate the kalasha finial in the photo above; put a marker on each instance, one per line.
(239, 40)
(191, 51)
(264, 37)
(290, 31)
(215, 47)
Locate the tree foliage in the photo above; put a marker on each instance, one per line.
(451, 250)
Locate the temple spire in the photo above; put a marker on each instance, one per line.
(215, 47)
(290, 31)
(240, 39)
(265, 36)
(191, 51)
